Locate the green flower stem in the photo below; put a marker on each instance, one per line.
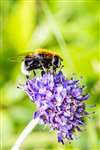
(25, 133)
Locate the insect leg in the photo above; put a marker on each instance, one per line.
(61, 67)
(34, 73)
(42, 72)
(54, 68)
(42, 66)
(27, 76)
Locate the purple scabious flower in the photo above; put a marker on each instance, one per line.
(60, 103)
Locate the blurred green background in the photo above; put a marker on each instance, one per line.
(66, 26)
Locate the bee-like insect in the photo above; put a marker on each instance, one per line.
(40, 59)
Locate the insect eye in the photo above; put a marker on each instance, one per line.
(56, 61)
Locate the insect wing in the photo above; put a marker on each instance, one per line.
(20, 57)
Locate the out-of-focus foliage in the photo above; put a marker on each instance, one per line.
(68, 27)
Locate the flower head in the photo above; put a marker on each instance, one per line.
(60, 103)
